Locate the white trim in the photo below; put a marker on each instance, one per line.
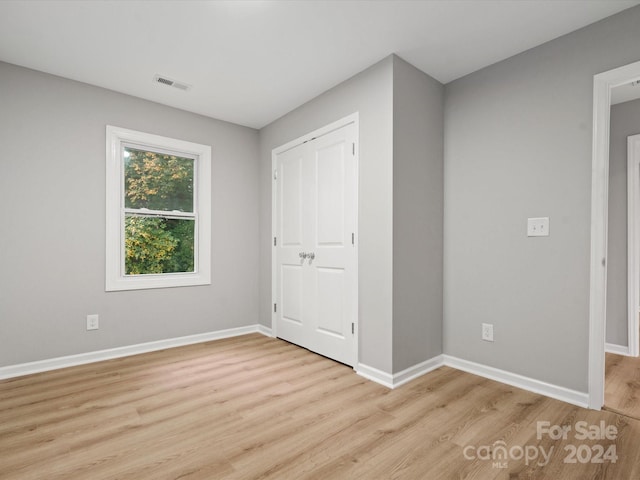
(633, 243)
(422, 368)
(532, 385)
(617, 349)
(266, 331)
(352, 118)
(274, 248)
(343, 122)
(370, 373)
(602, 85)
(118, 352)
(405, 376)
(115, 278)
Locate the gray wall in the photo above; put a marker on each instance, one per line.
(52, 247)
(417, 215)
(625, 121)
(370, 94)
(517, 145)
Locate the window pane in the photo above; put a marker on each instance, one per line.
(158, 245)
(157, 181)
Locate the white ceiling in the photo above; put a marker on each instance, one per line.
(252, 61)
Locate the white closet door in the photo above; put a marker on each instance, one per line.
(316, 258)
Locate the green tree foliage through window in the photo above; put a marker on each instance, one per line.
(159, 220)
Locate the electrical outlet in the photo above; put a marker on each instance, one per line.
(487, 332)
(93, 322)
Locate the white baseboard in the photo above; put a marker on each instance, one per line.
(400, 378)
(375, 375)
(573, 397)
(559, 393)
(97, 356)
(617, 349)
(267, 331)
(388, 380)
(416, 371)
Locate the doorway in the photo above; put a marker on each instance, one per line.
(622, 367)
(603, 85)
(315, 257)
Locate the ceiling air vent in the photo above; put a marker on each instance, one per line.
(171, 83)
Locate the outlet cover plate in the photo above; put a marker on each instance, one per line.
(93, 322)
(487, 332)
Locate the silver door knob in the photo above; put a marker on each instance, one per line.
(302, 255)
(311, 255)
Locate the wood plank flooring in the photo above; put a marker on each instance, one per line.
(622, 385)
(254, 407)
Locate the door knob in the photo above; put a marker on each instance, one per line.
(302, 255)
(311, 255)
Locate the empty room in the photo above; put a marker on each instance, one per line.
(272, 239)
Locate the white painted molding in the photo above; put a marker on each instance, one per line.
(266, 331)
(536, 386)
(418, 370)
(598, 254)
(633, 243)
(532, 385)
(375, 375)
(386, 379)
(100, 355)
(617, 349)
(400, 378)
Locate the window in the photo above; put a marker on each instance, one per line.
(158, 211)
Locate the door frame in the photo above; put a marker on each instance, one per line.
(354, 119)
(602, 85)
(633, 242)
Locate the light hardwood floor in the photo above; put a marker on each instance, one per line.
(254, 407)
(622, 385)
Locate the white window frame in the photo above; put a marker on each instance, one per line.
(115, 274)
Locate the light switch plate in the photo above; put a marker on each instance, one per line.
(538, 227)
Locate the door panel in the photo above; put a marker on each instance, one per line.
(292, 293)
(316, 217)
(291, 205)
(330, 185)
(331, 291)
